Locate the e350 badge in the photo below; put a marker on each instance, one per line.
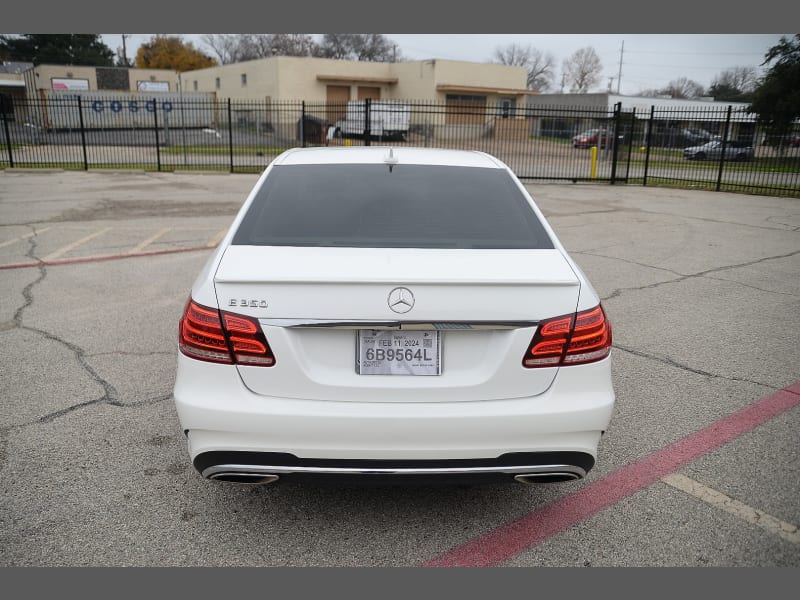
(244, 303)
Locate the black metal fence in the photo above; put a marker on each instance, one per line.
(708, 149)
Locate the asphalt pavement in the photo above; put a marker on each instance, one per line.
(700, 467)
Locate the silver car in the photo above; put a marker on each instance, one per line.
(713, 151)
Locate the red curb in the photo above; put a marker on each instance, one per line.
(524, 533)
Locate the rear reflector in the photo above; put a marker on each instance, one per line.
(206, 334)
(570, 340)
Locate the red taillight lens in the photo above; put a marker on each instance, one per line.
(248, 343)
(570, 339)
(591, 337)
(240, 340)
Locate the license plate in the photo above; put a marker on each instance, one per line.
(393, 352)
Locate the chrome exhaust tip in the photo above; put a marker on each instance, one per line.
(553, 477)
(245, 478)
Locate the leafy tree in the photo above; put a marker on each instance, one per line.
(582, 70)
(777, 98)
(539, 65)
(728, 93)
(171, 52)
(85, 49)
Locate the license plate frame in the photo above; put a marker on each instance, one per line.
(420, 352)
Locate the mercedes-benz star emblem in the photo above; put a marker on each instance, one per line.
(401, 300)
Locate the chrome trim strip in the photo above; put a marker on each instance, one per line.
(409, 325)
(209, 472)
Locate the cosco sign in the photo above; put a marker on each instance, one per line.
(134, 106)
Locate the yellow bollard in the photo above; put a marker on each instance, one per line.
(347, 142)
(594, 162)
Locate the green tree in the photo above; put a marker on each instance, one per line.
(171, 52)
(85, 49)
(777, 98)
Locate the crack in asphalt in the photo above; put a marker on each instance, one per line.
(124, 353)
(674, 363)
(750, 286)
(27, 291)
(682, 277)
(110, 395)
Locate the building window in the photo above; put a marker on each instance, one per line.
(217, 82)
(244, 79)
(195, 85)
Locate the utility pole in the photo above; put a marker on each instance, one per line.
(124, 49)
(619, 76)
(610, 83)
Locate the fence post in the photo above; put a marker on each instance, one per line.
(83, 135)
(367, 130)
(615, 151)
(630, 145)
(303, 123)
(155, 127)
(724, 147)
(648, 143)
(8, 137)
(230, 133)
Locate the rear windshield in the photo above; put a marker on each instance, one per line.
(407, 206)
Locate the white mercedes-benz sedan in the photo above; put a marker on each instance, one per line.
(404, 313)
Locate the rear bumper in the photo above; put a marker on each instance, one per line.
(227, 424)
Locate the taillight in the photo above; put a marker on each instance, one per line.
(570, 339)
(229, 339)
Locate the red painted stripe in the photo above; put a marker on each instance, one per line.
(87, 259)
(524, 533)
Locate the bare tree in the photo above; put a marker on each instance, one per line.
(372, 47)
(237, 47)
(582, 70)
(336, 45)
(540, 66)
(744, 79)
(225, 45)
(256, 45)
(293, 44)
(683, 87)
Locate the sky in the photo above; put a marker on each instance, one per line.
(649, 61)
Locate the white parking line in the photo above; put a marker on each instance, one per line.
(747, 513)
(150, 240)
(217, 238)
(23, 237)
(62, 251)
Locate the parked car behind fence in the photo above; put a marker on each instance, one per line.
(713, 151)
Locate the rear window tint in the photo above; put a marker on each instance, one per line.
(409, 206)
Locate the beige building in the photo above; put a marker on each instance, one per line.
(43, 78)
(458, 84)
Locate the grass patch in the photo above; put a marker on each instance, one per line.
(711, 186)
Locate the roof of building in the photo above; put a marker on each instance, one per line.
(15, 67)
